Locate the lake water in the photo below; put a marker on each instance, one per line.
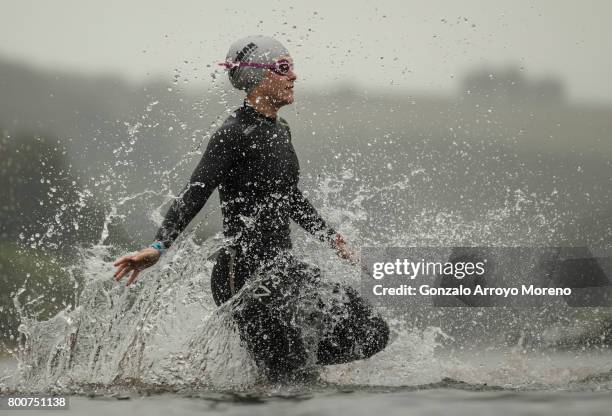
(549, 384)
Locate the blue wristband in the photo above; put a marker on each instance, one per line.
(159, 246)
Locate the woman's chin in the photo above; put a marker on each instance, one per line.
(284, 99)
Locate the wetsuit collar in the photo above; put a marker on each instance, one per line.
(248, 108)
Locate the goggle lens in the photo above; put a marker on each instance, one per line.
(283, 67)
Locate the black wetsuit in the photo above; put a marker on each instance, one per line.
(253, 163)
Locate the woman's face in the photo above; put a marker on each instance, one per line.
(278, 88)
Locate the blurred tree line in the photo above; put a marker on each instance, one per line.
(45, 213)
(42, 194)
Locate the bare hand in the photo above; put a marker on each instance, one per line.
(136, 262)
(343, 251)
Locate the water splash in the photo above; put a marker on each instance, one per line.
(166, 331)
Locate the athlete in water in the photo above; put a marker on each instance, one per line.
(252, 162)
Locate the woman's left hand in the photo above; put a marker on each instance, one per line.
(343, 251)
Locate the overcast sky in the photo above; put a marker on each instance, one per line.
(414, 45)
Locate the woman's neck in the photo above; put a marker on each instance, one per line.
(262, 105)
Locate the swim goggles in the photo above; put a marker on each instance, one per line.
(280, 67)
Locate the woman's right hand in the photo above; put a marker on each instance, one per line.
(146, 257)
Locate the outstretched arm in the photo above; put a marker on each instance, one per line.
(215, 163)
(305, 214)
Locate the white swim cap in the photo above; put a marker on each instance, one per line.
(258, 49)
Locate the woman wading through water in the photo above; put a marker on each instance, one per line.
(251, 159)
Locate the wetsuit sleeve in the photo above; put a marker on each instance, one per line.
(303, 213)
(215, 163)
